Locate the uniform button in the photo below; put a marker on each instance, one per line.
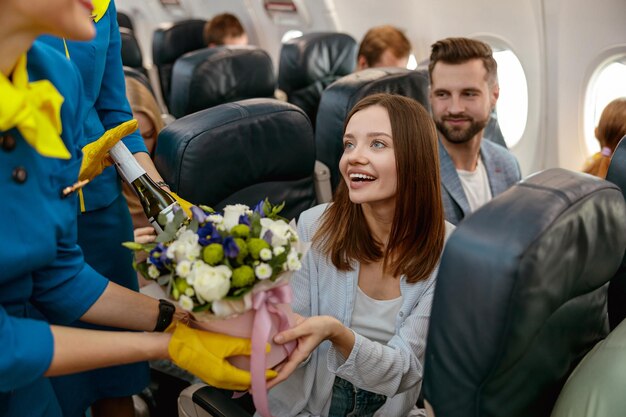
(19, 175)
(7, 142)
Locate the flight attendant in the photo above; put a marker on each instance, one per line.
(44, 277)
(105, 221)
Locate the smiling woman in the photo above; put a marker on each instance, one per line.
(368, 280)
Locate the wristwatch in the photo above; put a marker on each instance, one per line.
(166, 314)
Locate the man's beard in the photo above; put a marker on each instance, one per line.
(460, 135)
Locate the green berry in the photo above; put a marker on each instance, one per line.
(241, 230)
(213, 254)
(255, 245)
(242, 276)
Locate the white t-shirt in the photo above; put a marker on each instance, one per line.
(375, 319)
(476, 185)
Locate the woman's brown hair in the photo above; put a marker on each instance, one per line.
(418, 228)
(141, 100)
(611, 128)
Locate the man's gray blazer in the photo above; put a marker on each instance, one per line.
(502, 170)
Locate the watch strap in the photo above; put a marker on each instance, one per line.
(166, 314)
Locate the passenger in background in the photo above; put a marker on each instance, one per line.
(383, 46)
(224, 29)
(463, 91)
(611, 128)
(366, 284)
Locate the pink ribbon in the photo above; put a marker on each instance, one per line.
(264, 303)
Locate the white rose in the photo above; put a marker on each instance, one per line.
(263, 271)
(265, 254)
(281, 232)
(183, 268)
(185, 303)
(278, 250)
(232, 214)
(210, 283)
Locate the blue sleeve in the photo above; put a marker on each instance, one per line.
(27, 349)
(112, 105)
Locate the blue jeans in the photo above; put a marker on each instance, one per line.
(349, 401)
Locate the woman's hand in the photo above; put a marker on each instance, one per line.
(144, 234)
(310, 333)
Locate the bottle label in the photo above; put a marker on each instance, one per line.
(127, 165)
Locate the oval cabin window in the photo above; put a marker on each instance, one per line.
(512, 106)
(606, 84)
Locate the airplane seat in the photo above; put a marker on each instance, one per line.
(124, 21)
(131, 52)
(521, 295)
(617, 288)
(212, 76)
(311, 62)
(339, 98)
(169, 42)
(241, 152)
(139, 76)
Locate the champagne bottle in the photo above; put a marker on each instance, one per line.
(156, 202)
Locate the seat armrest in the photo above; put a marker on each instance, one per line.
(201, 400)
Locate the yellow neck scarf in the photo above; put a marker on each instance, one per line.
(100, 8)
(34, 109)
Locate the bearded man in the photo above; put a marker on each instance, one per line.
(463, 91)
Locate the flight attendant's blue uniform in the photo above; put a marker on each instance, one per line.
(41, 267)
(105, 221)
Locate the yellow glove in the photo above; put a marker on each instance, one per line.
(184, 204)
(96, 154)
(204, 354)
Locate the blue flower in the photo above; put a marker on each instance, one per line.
(231, 249)
(259, 208)
(268, 237)
(158, 256)
(198, 214)
(244, 219)
(208, 234)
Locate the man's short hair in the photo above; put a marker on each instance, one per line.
(462, 50)
(378, 39)
(222, 26)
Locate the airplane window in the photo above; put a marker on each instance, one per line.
(608, 83)
(512, 107)
(412, 62)
(291, 34)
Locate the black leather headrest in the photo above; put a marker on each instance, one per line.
(310, 63)
(172, 40)
(241, 152)
(139, 76)
(131, 52)
(313, 57)
(521, 295)
(617, 289)
(212, 76)
(339, 98)
(124, 21)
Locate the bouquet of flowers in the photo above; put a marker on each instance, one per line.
(211, 262)
(231, 270)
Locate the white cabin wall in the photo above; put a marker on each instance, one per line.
(579, 34)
